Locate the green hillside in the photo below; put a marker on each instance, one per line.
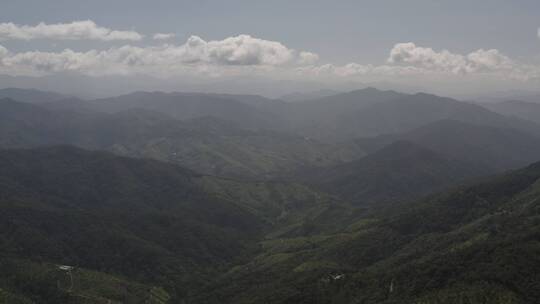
(476, 244)
(400, 171)
(151, 222)
(207, 145)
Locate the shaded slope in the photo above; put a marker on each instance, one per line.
(191, 105)
(144, 219)
(206, 144)
(475, 244)
(371, 112)
(522, 109)
(413, 111)
(30, 95)
(399, 171)
(492, 147)
(150, 221)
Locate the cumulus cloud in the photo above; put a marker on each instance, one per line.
(195, 54)
(408, 59)
(77, 30)
(308, 58)
(480, 61)
(410, 54)
(163, 36)
(239, 50)
(249, 55)
(486, 60)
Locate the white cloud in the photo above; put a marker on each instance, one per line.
(163, 36)
(308, 58)
(77, 30)
(410, 54)
(246, 55)
(195, 54)
(407, 59)
(3, 52)
(355, 70)
(240, 50)
(487, 62)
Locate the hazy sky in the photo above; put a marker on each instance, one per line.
(448, 45)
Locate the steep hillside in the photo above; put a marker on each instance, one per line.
(151, 222)
(475, 244)
(398, 172)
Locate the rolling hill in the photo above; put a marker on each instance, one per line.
(522, 109)
(400, 171)
(184, 106)
(413, 111)
(148, 222)
(492, 147)
(474, 244)
(336, 118)
(31, 95)
(138, 230)
(207, 145)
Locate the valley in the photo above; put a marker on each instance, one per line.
(166, 198)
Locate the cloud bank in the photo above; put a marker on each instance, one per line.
(241, 55)
(195, 54)
(77, 30)
(246, 54)
(445, 61)
(408, 59)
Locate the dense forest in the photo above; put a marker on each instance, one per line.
(367, 197)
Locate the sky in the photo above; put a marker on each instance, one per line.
(448, 47)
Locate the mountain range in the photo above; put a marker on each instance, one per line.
(367, 196)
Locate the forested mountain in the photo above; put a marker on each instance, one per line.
(474, 244)
(152, 222)
(235, 140)
(303, 96)
(400, 171)
(31, 95)
(361, 197)
(207, 144)
(265, 152)
(192, 105)
(390, 112)
(340, 117)
(522, 109)
(496, 148)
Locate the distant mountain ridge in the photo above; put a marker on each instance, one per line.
(399, 113)
(247, 135)
(400, 171)
(206, 144)
(498, 148)
(304, 96)
(522, 109)
(370, 196)
(340, 117)
(31, 95)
